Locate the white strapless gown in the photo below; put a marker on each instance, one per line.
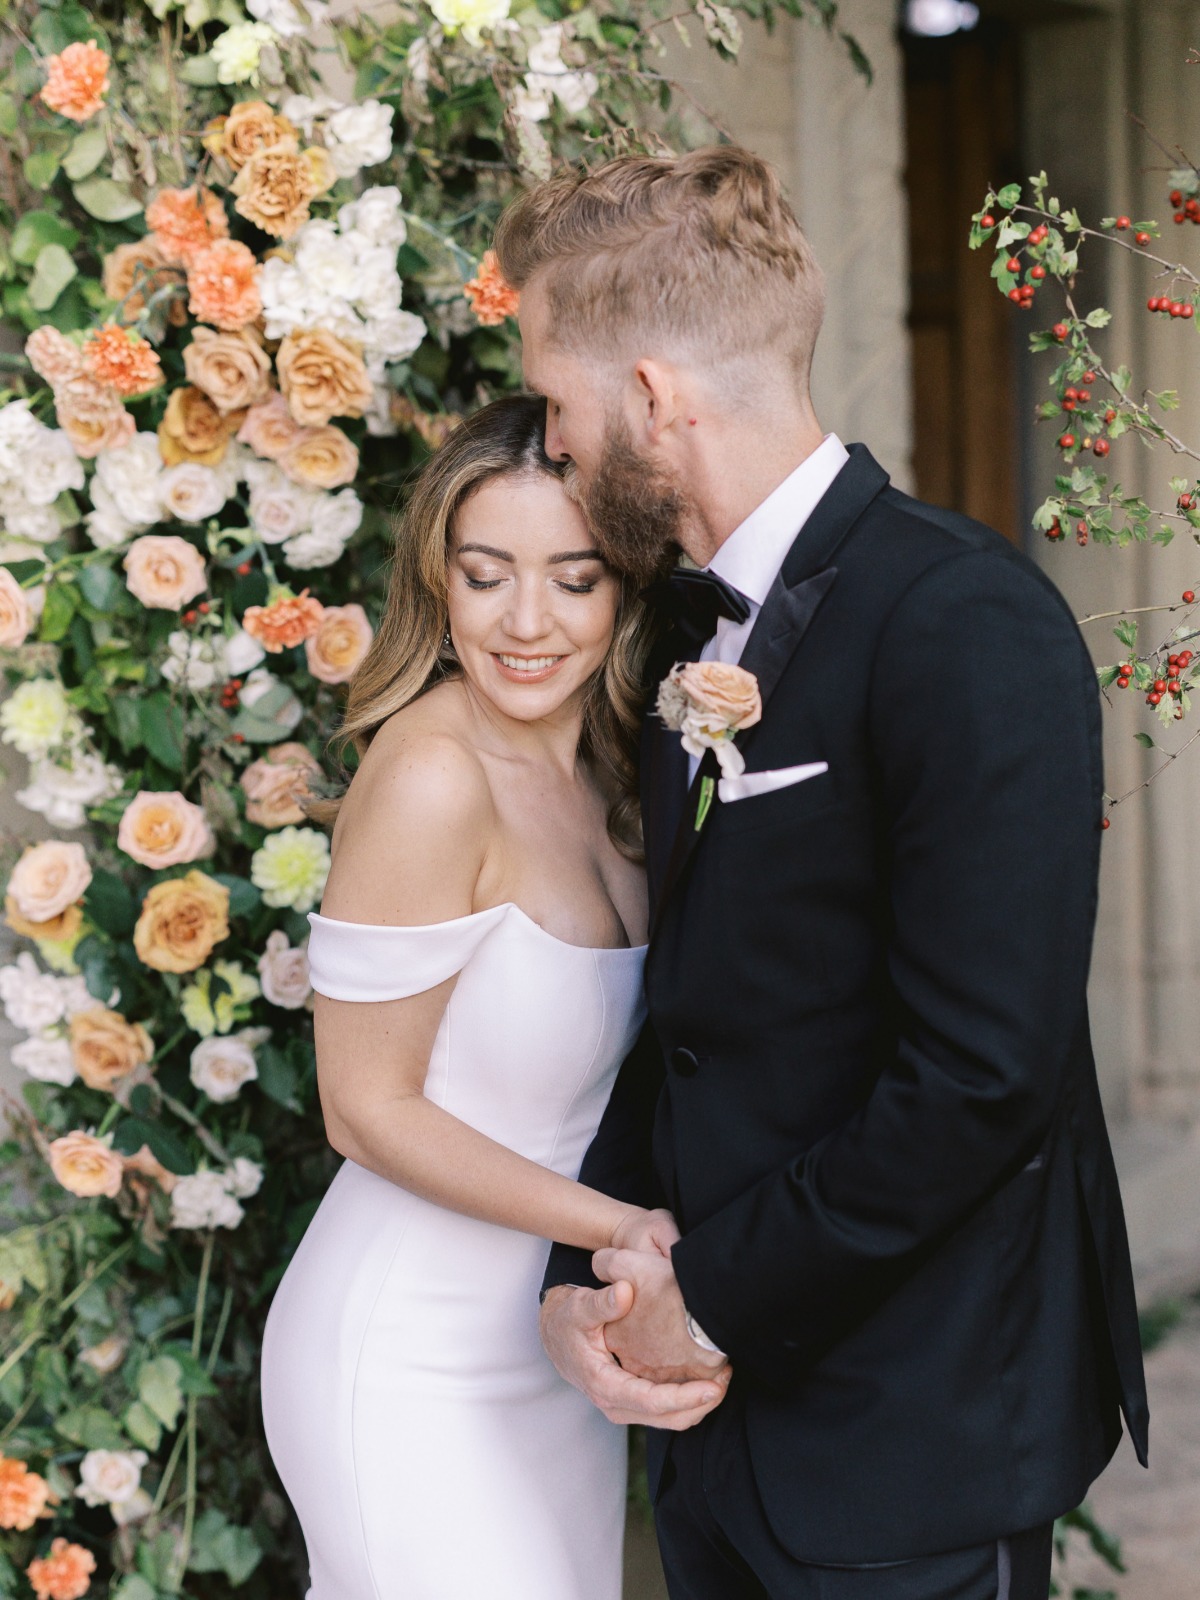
(429, 1447)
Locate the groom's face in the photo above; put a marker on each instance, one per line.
(634, 507)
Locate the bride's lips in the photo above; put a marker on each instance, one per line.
(539, 668)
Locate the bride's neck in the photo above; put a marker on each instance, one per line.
(552, 740)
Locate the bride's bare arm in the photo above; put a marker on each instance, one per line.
(411, 846)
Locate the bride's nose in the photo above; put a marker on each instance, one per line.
(528, 616)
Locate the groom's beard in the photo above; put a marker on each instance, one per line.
(634, 509)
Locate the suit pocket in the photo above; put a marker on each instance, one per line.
(792, 803)
(750, 784)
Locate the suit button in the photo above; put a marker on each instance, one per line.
(684, 1062)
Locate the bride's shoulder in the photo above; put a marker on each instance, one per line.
(415, 824)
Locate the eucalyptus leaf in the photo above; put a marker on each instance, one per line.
(91, 1427)
(37, 229)
(158, 1388)
(52, 273)
(88, 150)
(41, 168)
(107, 201)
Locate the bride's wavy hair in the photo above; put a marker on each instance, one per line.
(410, 655)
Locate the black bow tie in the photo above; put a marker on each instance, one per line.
(697, 599)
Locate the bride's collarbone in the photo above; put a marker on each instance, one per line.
(565, 884)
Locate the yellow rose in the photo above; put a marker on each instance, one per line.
(322, 376)
(106, 1048)
(251, 126)
(341, 641)
(86, 1165)
(321, 458)
(193, 429)
(274, 189)
(232, 368)
(59, 930)
(180, 923)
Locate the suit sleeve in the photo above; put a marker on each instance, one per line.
(619, 1159)
(984, 730)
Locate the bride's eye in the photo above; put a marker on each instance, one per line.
(481, 583)
(578, 588)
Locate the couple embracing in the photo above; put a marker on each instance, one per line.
(726, 924)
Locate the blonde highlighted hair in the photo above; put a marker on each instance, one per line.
(409, 654)
(701, 251)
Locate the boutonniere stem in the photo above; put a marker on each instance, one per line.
(708, 788)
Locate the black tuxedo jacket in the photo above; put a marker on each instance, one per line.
(867, 1088)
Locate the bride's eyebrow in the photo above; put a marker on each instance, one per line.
(576, 555)
(487, 550)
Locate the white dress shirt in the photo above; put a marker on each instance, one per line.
(753, 555)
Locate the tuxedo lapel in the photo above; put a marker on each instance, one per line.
(787, 614)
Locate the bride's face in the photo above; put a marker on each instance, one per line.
(532, 604)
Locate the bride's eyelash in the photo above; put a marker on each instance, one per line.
(578, 588)
(482, 583)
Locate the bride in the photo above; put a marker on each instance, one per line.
(478, 966)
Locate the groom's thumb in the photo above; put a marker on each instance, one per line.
(618, 1300)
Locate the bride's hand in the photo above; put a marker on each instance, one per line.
(651, 1231)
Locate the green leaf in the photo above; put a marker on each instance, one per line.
(193, 1379)
(162, 731)
(109, 904)
(1099, 318)
(131, 1133)
(52, 273)
(57, 612)
(142, 1426)
(134, 1587)
(277, 1077)
(41, 168)
(1008, 196)
(1127, 633)
(158, 1388)
(91, 1427)
(22, 571)
(88, 150)
(200, 70)
(8, 116)
(244, 898)
(219, 1546)
(1144, 740)
(95, 960)
(107, 200)
(100, 586)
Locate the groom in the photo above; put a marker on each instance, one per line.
(866, 1090)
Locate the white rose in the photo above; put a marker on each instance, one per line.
(279, 508)
(138, 1505)
(244, 1178)
(50, 467)
(201, 1200)
(283, 969)
(194, 660)
(130, 476)
(379, 289)
(303, 110)
(285, 297)
(19, 430)
(77, 997)
(222, 1064)
(359, 136)
(47, 1057)
(192, 492)
(62, 794)
(109, 1476)
(289, 20)
(104, 524)
(31, 998)
(376, 215)
(242, 652)
(22, 519)
(392, 337)
(337, 515)
(576, 91)
(261, 682)
(308, 551)
(531, 101)
(325, 261)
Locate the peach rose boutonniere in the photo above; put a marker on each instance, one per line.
(709, 703)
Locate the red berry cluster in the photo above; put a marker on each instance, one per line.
(1021, 294)
(1185, 210)
(243, 569)
(1176, 308)
(1055, 532)
(229, 693)
(190, 618)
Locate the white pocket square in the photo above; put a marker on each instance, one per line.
(752, 783)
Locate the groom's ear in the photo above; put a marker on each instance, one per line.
(656, 399)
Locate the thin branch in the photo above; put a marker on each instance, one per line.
(1172, 757)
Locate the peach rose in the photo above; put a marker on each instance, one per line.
(184, 222)
(287, 621)
(320, 458)
(143, 264)
(92, 415)
(274, 189)
(146, 1164)
(434, 427)
(276, 783)
(193, 429)
(232, 369)
(65, 1574)
(322, 376)
(47, 879)
(57, 930)
(726, 693)
(86, 1165)
(164, 571)
(342, 639)
(162, 829)
(223, 285)
(181, 921)
(53, 356)
(122, 358)
(492, 298)
(320, 165)
(24, 1496)
(251, 126)
(106, 1048)
(15, 618)
(76, 81)
(269, 428)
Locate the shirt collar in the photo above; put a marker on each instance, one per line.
(753, 555)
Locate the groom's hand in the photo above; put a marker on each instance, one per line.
(573, 1326)
(652, 1340)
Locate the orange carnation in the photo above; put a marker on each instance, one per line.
(223, 285)
(122, 358)
(65, 1574)
(287, 621)
(24, 1495)
(186, 221)
(76, 81)
(492, 297)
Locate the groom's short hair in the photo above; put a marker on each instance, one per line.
(701, 250)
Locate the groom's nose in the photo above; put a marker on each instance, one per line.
(555, 448)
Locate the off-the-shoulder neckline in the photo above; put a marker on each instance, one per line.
(474, 916)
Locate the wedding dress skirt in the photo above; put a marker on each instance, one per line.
(429, 1447)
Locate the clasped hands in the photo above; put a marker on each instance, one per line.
(627, 1347)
